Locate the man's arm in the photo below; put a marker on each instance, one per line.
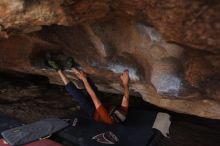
(125, 80)
(91, 92)
(98, 105)
(82, 76)
(125, 100)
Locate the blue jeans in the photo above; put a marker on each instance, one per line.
(84, 100)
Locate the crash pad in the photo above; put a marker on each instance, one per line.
(7, 122)
(136, 131)
(45, 142)
(34, 131)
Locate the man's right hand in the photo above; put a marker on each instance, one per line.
(125, 78)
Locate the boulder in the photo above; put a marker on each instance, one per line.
(171, 48)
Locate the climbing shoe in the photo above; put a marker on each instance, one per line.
(70, 63)
(53, 64)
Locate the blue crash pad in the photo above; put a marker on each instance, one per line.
(7, 122)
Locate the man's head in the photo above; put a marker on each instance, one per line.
(118, 115)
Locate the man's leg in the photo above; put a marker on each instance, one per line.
(63, 77)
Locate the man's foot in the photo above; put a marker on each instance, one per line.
(53, 64)
(70, 63)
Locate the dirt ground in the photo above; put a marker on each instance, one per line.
(30, 98)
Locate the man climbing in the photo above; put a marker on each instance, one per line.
(92, 104)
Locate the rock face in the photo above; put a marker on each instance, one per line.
(170, 47)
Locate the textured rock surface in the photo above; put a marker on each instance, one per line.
(153, 39)
(192, 23)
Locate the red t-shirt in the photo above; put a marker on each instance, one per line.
(101, 114)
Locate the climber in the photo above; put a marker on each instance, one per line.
(93, 104)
